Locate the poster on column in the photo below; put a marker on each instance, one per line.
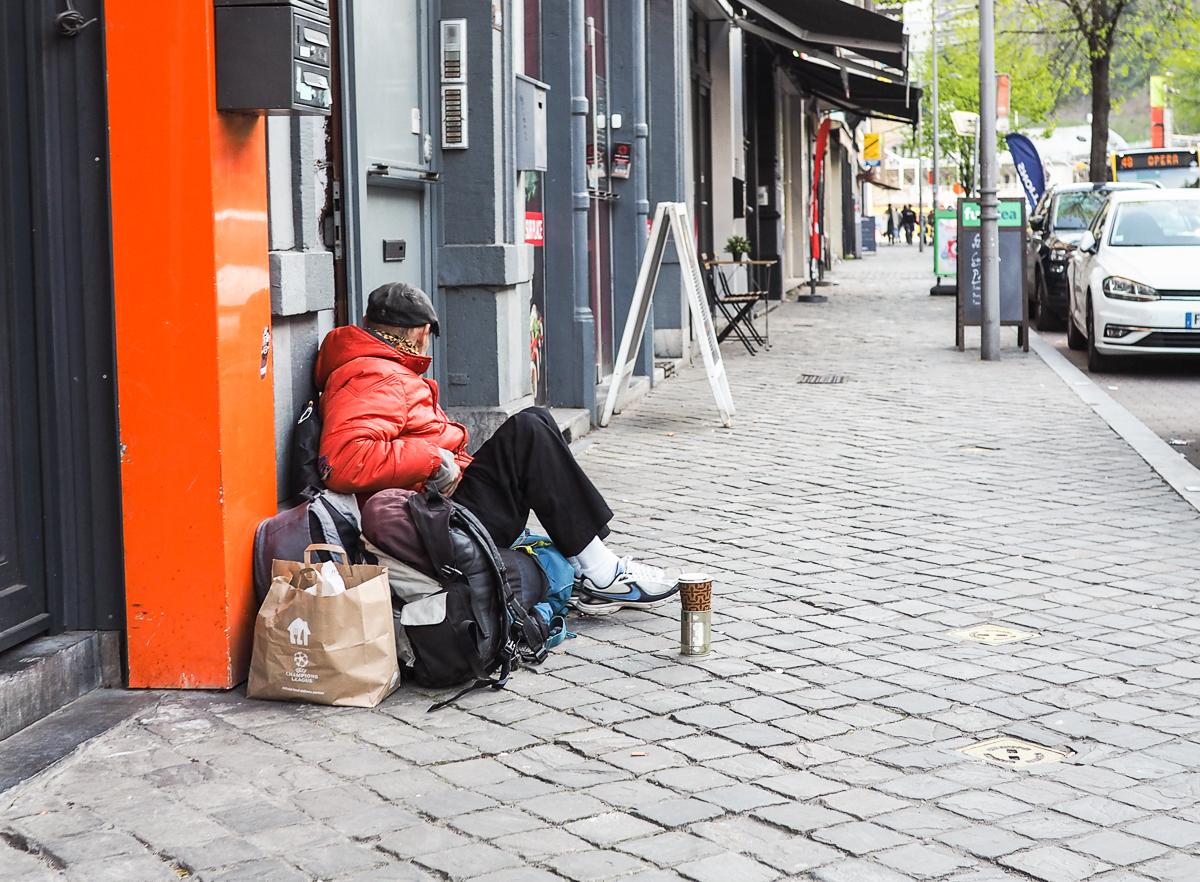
(945, 243)
(535, 235)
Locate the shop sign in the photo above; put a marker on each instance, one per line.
(622, 160)
(1003, 101)
(871, 152)
(535, 228)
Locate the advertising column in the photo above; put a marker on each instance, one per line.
(535, 223)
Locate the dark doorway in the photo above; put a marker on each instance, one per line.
(60, 534)
(701, 133)
(600, 190)
(848, 219)
(24, 610)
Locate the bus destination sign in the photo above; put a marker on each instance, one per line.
(1158, 159)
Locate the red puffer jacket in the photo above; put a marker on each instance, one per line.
(381, 424)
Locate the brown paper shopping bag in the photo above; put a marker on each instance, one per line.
(325, 649)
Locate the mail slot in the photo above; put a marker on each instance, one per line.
(394, 250)
(531, 124)
(273, 56)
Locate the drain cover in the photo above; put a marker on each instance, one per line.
(992, 635)
(821, 379)
(1013, 752)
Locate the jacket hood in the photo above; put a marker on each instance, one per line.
(343, 345)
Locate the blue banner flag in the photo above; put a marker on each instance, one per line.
(1029, 167)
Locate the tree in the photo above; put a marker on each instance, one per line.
(1183, 63)
(1099, 28)
(1037, 83)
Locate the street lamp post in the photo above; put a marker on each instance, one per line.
(989, 349)
(936, 109)
(920, 193)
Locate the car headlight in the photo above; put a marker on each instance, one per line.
(1127, 289)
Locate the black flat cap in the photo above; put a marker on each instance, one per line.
(402, 306)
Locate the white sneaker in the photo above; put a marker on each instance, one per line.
(635, 586)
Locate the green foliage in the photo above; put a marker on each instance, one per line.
(1182, 64)
(1039, 79)
(736, 244)
(1059, 51)
(1114, 37)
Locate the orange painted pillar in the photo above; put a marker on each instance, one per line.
(191, 284)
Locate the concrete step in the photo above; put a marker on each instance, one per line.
(574, 423)
(639, 388)
(55, 736)
(39, 677)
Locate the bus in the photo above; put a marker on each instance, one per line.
(1169, 168)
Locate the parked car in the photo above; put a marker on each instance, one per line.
(1056, 223)
(1135, 278)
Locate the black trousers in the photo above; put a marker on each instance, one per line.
(527, 466)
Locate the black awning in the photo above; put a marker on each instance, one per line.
(849, 91)
(835, 23)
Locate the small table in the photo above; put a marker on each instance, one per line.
(738, 306)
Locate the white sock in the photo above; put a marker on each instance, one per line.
(597, 563)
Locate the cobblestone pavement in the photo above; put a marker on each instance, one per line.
(851, 527)
(1162, 392)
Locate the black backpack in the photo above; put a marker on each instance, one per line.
(307, 469)
(488, 628)
(316, 516)
(321, 518)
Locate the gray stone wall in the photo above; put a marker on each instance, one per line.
(302, 290)
(668, 88)
(484, 269)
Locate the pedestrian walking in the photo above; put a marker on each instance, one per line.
(891, 225)
(908, 220)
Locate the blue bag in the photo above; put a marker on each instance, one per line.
(561, 576)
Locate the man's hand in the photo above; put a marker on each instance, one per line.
(448, 475)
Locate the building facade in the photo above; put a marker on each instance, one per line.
(179, 239)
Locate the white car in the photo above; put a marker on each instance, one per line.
(1135, 278)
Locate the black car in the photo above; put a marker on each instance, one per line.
(1056, 223)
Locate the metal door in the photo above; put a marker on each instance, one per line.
(390, 147)
(600, 190)
(23, 604)
(24, 610)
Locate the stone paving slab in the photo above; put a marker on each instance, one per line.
(851, 528)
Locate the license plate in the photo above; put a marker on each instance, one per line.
(1191, 320)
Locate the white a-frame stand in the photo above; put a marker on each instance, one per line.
(672, 216)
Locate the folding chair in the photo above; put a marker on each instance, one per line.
(737, 307)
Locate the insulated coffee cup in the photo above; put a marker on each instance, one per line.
(695, 620)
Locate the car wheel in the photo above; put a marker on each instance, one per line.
(1043, 319)
(1075, 340)
(1096, 361)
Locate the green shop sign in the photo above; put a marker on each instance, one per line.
(1010, 213)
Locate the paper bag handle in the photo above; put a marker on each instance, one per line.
(321, 546)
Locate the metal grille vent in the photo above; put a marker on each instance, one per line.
(1014, 753)
(454, 84)
(454, 116)
(821, 379)
(454, 47)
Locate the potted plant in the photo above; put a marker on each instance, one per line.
(737, 246)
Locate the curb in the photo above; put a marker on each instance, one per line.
(1170, 465)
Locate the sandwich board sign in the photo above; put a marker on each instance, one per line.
(1014, 304)
(670, 217)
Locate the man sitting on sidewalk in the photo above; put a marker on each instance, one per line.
(383, 428)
